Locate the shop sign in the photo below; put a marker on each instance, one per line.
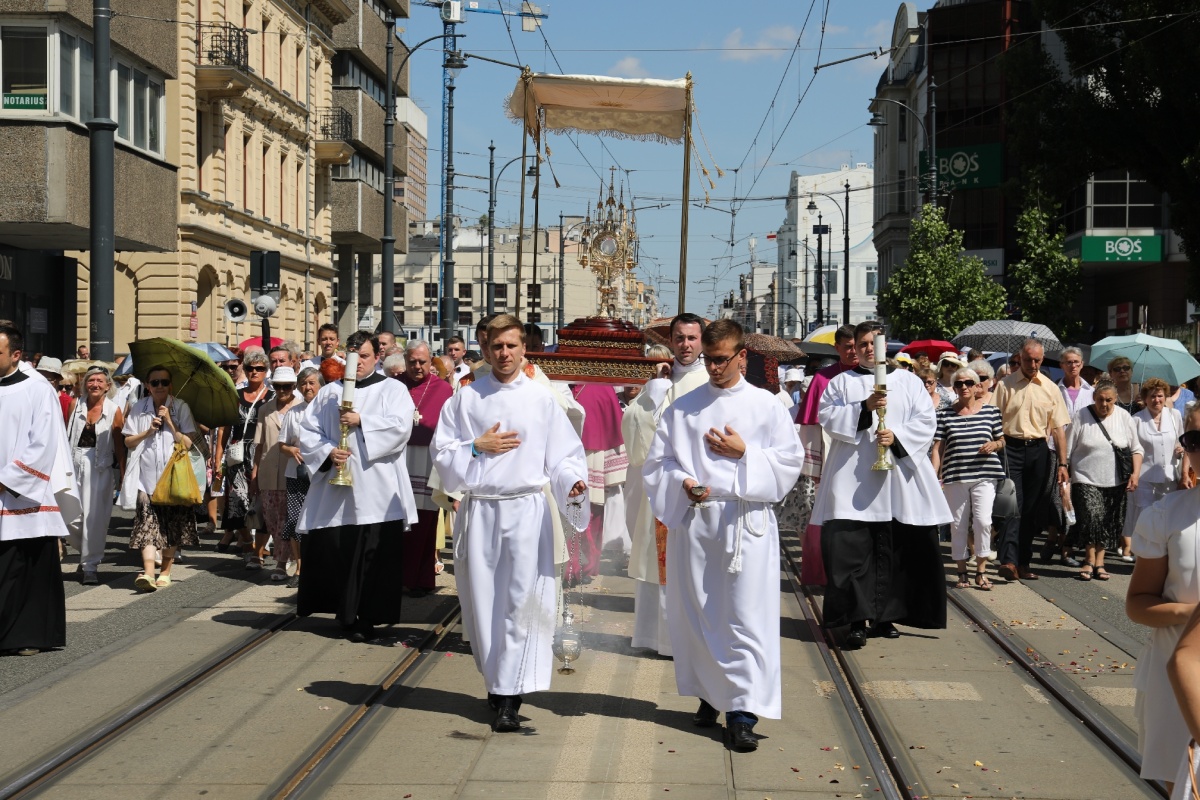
(979, 166)
(1120, 316)
(993, 260)
(6, 267)
(39, 320)
(1119, 248)
(24, 102)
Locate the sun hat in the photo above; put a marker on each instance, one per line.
(284, 375)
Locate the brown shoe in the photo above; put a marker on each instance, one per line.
(1026, 574)
(1008, 572)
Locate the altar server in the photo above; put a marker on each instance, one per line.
(32, 437)
(724, 454)
(607, 464)
(647, 558)
(499, 441)
(352, 550)
(879, 538)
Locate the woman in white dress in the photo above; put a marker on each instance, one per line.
(94, 433)
(1163, 593)
(1159, 426)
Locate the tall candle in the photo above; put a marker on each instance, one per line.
(880, 360)
(350, 378)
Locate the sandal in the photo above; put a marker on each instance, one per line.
(1085, 574)
(438, 567)
(1101, 572)
(163, 582)
(278, 575)
(982, 583)
(963, 583)
(144, 583)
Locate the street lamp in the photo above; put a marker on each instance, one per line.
(845, 246)
(819, 229)
(453, 65)
(494, 179)
(878, 121)
(562, 268)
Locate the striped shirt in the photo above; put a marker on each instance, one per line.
(961, 438)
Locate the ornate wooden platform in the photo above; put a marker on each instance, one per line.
(598, 350)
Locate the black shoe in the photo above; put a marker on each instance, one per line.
(506, 719)
(706, 716)
(293, 582)
(361, 632)
(885, 630)
(493, 701)
(856, 639)
(742, 738)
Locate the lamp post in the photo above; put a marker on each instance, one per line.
(820, 230)
(562, 252)
(845, 214)
(878, 121)
(493, 179)
(454, 64)
(387, 266)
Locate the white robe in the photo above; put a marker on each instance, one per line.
(850, 489)
(638, 427)
(503, 534)
(95, 476)
(381, 491)
(32, 446)
(723, 556)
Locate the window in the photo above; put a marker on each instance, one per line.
(123, 88)
(87, 58)
(1120, 199)
(266, 153)
(902, 128)
(872, 279)
(535, 317)
(349, 73)
(24, 71)
(902, 192)
(535, 292)
(201, 149)
(398, 292)
(431, 318)
(464, 291)
(246, 172)
(66, 73)
(831, 280)
(360, 169)
(431, 291)
(502, 292)
(141, 86)
(464, 318)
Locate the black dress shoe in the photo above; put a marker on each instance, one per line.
(494, 701)
(506, 718)
(885, 630)
(361, 632)
(706, 715)
(742, 738)
(856, 639)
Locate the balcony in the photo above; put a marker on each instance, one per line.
(222, 60)
(334, 127)
(365, 35)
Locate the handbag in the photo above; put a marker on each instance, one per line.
(177, 485)
(1124, 454)
(1005, 503)
(235, 452)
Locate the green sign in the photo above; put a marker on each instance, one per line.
(1115, 248)
(977, 166)
(27, 102)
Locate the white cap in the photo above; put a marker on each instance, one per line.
(50, 364)
(793, 374)
(284, 375)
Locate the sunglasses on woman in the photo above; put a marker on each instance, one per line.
(1190, 441)
(963, 384)
(159, 383)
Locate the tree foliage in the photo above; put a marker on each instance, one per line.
(939, 291)
(1127, 99)
(1045, 284)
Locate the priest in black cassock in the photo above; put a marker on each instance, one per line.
(352, 541)
(879, 538)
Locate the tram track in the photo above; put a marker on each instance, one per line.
(889, 757)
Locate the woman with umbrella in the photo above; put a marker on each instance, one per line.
(155, 425)
(236, 451)
(91, 424)
(1120, 371)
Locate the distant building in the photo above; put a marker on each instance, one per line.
(413, 190)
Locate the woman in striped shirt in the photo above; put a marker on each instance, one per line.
(964, 454)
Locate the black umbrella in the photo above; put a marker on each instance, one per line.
(1006, 335)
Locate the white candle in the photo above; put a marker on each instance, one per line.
(880, 360)
(350, 377)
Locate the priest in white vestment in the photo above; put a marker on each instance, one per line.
(879, 540)
(32, 442)
(724, 454)
(352, 545)
(647, 558)
(499, 441)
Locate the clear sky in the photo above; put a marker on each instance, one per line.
(738, 54)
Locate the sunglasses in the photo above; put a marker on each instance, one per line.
(963, 384)
(256, 369)
(1190, 441)
(284, 387)
(158, 384)
(229, 367)
(1121, 369)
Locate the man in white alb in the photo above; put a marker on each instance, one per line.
(724, 454)
(499, 441)
(647, 564)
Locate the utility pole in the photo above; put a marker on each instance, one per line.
(103, 129)
(562, 269)
(491, 256)
(387, 267)
(449, 296)
(820, 230)
(846, 254)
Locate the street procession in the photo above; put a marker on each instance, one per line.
(321, 476)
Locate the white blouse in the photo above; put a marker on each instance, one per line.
(1158, 463)
(1091, 456)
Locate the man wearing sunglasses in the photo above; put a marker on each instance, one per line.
(879, 536)
(724, 454)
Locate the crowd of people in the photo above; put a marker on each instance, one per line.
(364, 460)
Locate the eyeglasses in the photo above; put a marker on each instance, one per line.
(716, 361)
(256, 369)
(158, 384)
(1190, 441)
(963, 384)
(1120, 369)
(930, 383)
(229, 367)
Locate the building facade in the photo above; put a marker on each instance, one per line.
(413, 190)
(47, 74)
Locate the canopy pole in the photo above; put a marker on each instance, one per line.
(521, 230)
(687, 189)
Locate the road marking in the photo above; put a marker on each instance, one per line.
(920, 690)
(1037, 694)
(100, 600)
(1113, 696)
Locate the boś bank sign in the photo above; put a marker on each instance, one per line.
(1116, 248)
(977, 166)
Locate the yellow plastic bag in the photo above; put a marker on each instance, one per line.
(177, 486)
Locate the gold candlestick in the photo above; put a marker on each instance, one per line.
(884, 461)
(341, 476)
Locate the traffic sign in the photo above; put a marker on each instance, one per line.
(820, 229)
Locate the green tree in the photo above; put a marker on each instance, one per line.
(938, 291)
(1045, 284)
(1125, 97)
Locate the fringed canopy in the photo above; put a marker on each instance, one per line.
(627, 108)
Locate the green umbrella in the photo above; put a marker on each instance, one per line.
(197, 380)
(1152, 357)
